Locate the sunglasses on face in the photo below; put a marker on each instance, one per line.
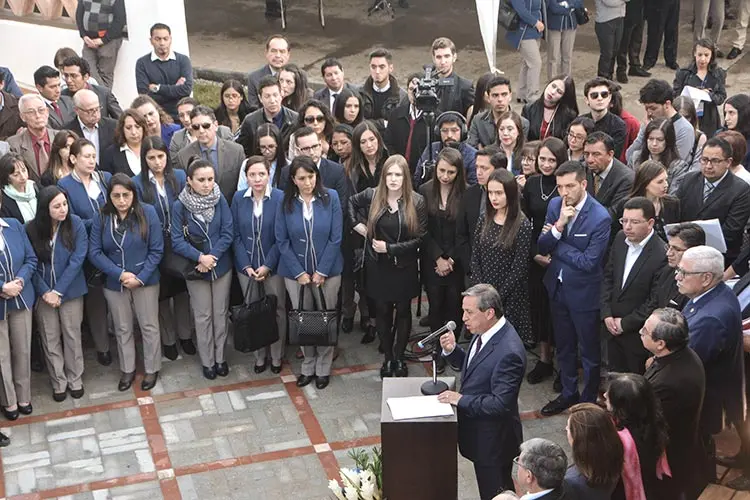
(317, 118)
(197, 126)
(595, 95)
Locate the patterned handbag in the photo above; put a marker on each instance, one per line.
(319, 327)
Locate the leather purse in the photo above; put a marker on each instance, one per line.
(175, 265)
(255, 324)
(318, 327)
(582, 15)
(507, 17)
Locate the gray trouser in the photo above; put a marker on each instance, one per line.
(95, 309)
(175, 324)
(318, 360)
(560, 52)
(273, 285)
(61, 340)
(531, 69)
(210, 303)
(144, 303)
(701, 10)
(102, 61)
(742, 24)
(15, 358)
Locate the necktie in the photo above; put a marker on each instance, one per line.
(597, 183)
(708, 187)
(477, 348)
(333, 100)
(56, 108)
(42, 157)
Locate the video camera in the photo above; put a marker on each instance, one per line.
(426, 96)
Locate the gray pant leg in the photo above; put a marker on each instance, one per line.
(145, 303)
(121, 308)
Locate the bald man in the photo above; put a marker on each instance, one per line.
(89, 122)
(34, 142)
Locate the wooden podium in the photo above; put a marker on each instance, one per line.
(420, 458)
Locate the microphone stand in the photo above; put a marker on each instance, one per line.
(434, 387)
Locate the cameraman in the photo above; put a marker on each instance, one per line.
(452, 128)
(455, 93)
(406, 133)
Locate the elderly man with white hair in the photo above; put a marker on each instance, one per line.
(541, 470)
(715, 328)
(35, 140)
(89, 122)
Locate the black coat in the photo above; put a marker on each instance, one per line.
(252, 121)
(466, 223)
(679, 383)
(114, 161)
(669, 214)
(439, 241)
(630, 301)
(456, 94)
(396, 135)
(665, 293)
(715, 80)
(729, 202)
(534, 112)
(106, 132)
(9, 208)
(615, 127)
(615, 186)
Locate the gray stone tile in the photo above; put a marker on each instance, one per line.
(141, 491)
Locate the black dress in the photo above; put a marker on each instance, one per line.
(385, 281)
(537, 193)
(507, 269)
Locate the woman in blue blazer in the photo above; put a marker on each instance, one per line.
(17, 265)
(201, 208)
(256, 254)
(86, 188)
(308, 232)
(526, 40)
(158, 184)
(61, 243)
(126, 244)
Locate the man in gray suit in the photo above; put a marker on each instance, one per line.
(226, 156)
(609, 180)
(34, 142)
(277, 55)
(47, 81)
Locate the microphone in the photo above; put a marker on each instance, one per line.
(451, 325)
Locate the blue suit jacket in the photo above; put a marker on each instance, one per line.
(489, 426)
(162, 210)
(79, 201)
(64, 274)
(333, 176)
(715, 326)
(578, 253)
(245, 246)
(18, 260)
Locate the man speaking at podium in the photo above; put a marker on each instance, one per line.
(489, 427)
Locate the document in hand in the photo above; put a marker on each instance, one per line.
(714, 236)
(698, 96)
(418, 407)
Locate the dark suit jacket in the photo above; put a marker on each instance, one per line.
(10, 117)
(729, 202)
(615, 186)
(679, 383)
(107, 101)
(106, 132)
(250, 124)
(579, 253)
(715, 325)
(333, 176)
(665, 292)
(231, 157)
(65, 104)
(631, 300)
(489, 426)
(324, 95)
(253, 79)
(466, 223)
(738, 288)
(396, 135)
(114, 161)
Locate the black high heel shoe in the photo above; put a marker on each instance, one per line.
(10, 414)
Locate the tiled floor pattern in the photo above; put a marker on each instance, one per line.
(247, 436)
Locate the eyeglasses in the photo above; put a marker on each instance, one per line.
(595, 95)
(316, 118)
(527, 159)
(644, 333)
(268, 147)
(635, 222)
(577, 137)
(671, 248)
(682, 273)
(36, 111)
(197, 126)
(90, 112)
(517, 461)
(712, 161)
(309, 149)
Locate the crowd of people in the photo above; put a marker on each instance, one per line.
(573, 231)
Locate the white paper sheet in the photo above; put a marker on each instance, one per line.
(418, 407)
(696, 94)
(714, 236)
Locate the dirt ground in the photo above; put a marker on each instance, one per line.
(229, 35)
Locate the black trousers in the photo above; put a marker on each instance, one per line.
(493, 479)
(632, 36)
(445, 305)
(609, 35)
(663, 22)
(384, 325)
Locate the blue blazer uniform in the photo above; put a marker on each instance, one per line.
(64, 273)
(17, 260)
(214, 238)
(310, 246)
(114, 254)
(80, 203)
(163, 207)
(255, 237)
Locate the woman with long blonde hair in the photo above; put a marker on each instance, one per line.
(393, 218)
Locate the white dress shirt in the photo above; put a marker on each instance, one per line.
(557, 234)
(134, 160)
(532, 496)
(634, 251)
(92, 134)
(486, 336)
(258, 206)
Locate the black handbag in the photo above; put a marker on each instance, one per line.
(582, 15)
(508, 17)
(175, 265)
(94, 277)
(313, 328)
(255, 323)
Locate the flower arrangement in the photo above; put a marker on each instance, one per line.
(364, 481)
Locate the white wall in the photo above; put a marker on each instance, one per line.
(27, 46)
